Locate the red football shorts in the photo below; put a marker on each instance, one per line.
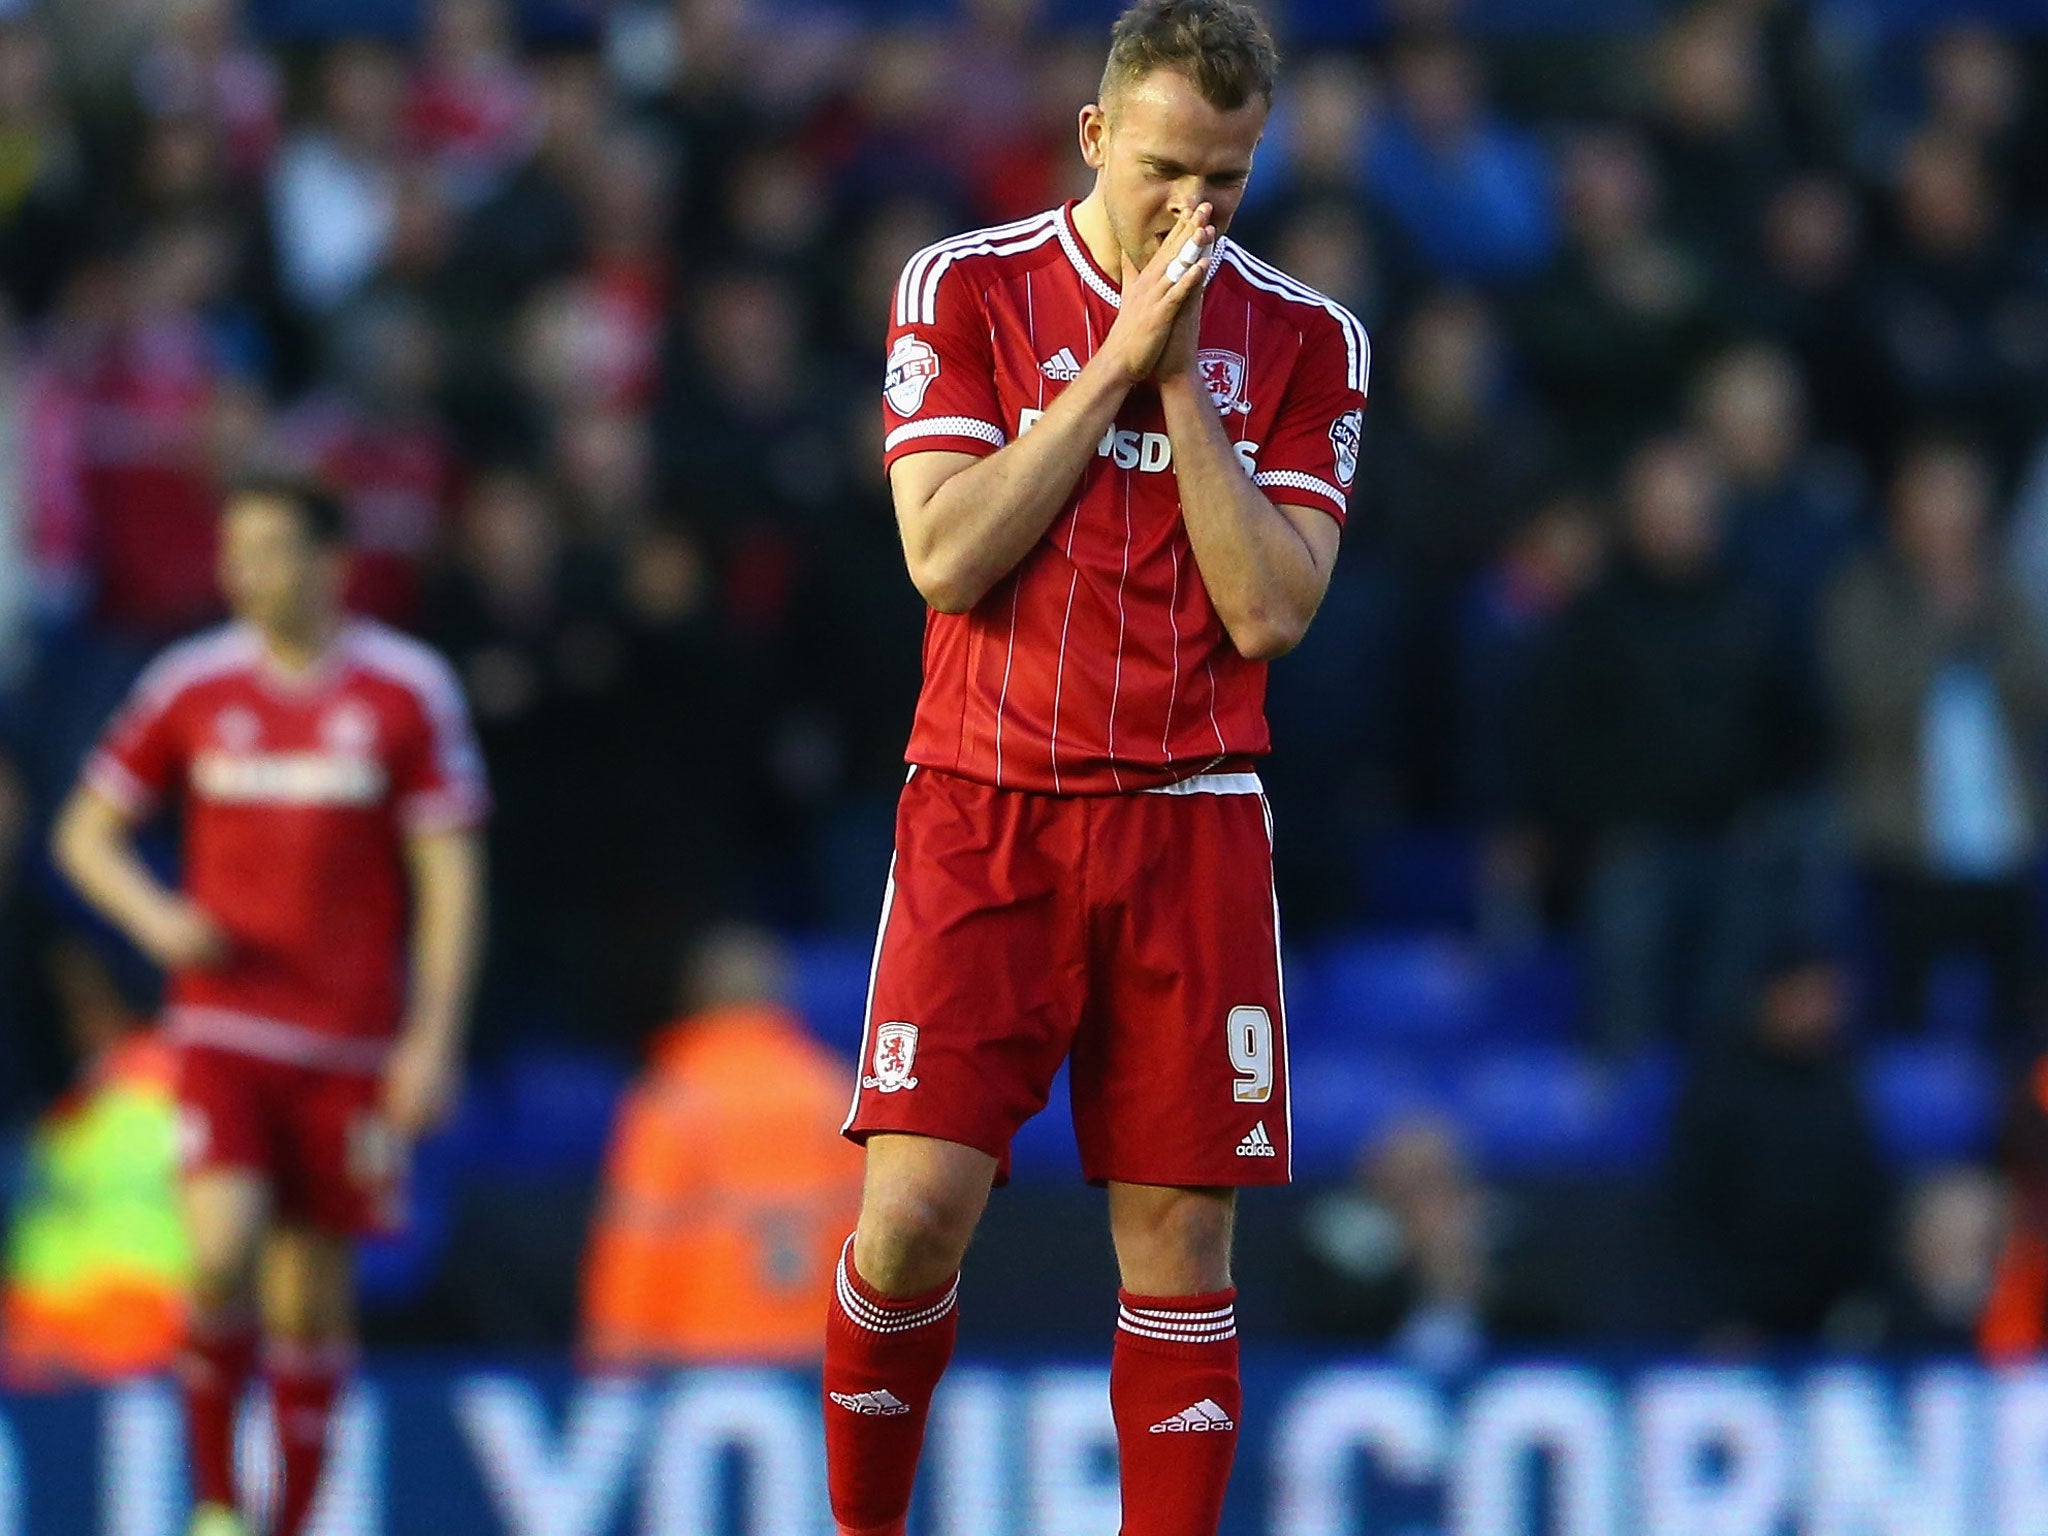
(317, 1137)
(1136, 934)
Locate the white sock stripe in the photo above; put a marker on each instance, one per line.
(1174, 1314)
(1177, 1338)
(855, 1302)
(885, 1319)
(1192, 1328)
(875, 1321)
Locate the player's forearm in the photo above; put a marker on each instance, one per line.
(975, 528)
(95, 853)
(1262, 576)
(447, 935)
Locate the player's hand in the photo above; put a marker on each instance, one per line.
(1155, 300)
(421, 1082)
(179, 935)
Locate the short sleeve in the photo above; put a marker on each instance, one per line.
(140, 760)
(437, 773)
(1312, 459)
(938, 384)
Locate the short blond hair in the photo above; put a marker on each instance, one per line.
(1222, 46)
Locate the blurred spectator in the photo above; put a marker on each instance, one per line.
(1774, 1169)
(1978, 89)
(333, 188)
(1802, 289)
(1948, 1243)
(1469, 192)
(470, 109)
(1417, 1255)
(1616, 324)
(724, 1205)
(1507, 617)
(150, 471)
(1657, 726)
(1959, 314)
(1715, 132)
(202, 70)
(45, 212)
(530, 621)
(1462, 464)
(1316, 146)
(97, 1259)
(1940, 685)
(1792, 506)
(375, 438)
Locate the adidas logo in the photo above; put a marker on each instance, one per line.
(1204, 1418)
(880, 1404)
(1061, 367)
(1257, 1143)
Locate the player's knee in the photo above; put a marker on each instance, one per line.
(913, 1238)
(1172, 1242)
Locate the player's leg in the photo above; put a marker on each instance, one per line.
(1173, 1374)
(972, 1006)
(308, 1291)
(893, 1321)
(1180, 1096)
(341, 1175)
(225, 1210)
(228, 1196)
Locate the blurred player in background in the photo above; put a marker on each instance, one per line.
(320, 952)
(1121, 450)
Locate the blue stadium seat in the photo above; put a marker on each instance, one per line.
(1933, 1101)
(1419, 990)
(1546, 1109)
(550, 1111)
(1533, 995)
(1343, 1100)
(1422, 879)
(832, 987)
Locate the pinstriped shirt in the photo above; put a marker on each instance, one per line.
(1099, 665)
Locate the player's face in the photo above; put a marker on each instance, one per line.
(1158, 149)
(274, 575)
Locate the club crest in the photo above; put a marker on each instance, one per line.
(1223, 374)
(895, 1051)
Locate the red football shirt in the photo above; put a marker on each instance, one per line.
(1099, 664)
(297, 794)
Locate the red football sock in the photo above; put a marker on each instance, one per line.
(1173, 1387)
(303, 1384)
(213, 1371)
(883, 1358)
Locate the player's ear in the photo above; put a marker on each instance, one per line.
(1094, 130)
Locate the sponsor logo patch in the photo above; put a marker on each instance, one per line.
(912, 367)
(1345, 433)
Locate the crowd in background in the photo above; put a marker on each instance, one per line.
(1695, 587)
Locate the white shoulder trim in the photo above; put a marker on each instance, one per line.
(1264, 275)
(917, 290)
(413, 664)
(210, 653)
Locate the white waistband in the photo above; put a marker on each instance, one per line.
(279, 1040)
(1213, 784)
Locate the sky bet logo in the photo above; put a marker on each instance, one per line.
(1146, 452)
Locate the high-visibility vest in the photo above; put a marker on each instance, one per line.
(98, 1265)
(728, 1191)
